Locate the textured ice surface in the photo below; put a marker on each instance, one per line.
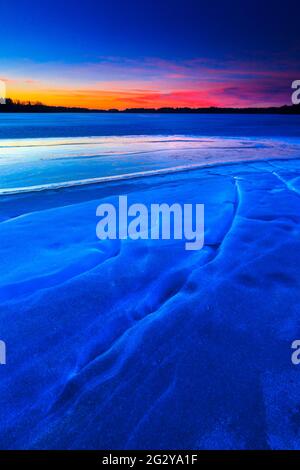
(141, 344)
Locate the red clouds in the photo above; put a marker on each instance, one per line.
(152, 83)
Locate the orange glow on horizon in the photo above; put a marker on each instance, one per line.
(150, 85)
(102, 99)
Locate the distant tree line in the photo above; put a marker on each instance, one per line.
(28, 107)
(17, 106)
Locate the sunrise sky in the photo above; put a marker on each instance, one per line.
(119, 53)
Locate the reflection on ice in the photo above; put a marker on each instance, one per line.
(28, 164)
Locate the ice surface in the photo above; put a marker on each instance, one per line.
(44, 163)
(141, 344)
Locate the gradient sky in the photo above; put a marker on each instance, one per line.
(129, 53)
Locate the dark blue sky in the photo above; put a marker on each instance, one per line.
(77, 30)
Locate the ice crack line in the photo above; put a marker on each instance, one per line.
(287, 184)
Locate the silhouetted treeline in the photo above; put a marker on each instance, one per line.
(27, 107)
(293, 109)
(11, 106)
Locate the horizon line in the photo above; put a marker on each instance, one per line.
(35, 104)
